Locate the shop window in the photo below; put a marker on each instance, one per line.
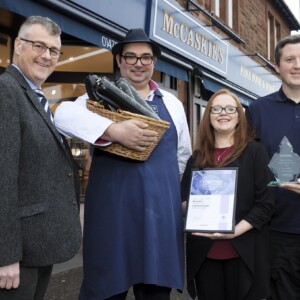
(196, 118)
(269, 35)
(173, 83)
(199, 105)
(56, 93)
(77, 61)
(273, 35)
(197, 86)
(198, 111)
(82, 156)
(157, 77)
(224, 10)
(216, 7)
(85, 59)
(169, 83)
(5, 50)
(67, 84)
(277, 34)
(229, 13)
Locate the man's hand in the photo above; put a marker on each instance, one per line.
(132, 134)
(10, 276)
(294, 187)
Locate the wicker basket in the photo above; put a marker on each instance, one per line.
(157, 125)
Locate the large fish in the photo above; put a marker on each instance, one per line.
(117, 95)
(124, 85)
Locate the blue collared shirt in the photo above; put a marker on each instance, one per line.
(273, 117)
(31, 84)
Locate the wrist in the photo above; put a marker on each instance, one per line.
(109, 133)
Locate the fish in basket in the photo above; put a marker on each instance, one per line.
(119, 101)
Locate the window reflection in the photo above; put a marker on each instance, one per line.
(81, 154)
(5, 42)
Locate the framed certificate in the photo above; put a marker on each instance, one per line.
(212, 200)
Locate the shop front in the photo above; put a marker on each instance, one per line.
(195, 60)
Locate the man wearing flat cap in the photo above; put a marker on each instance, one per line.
(133, 231)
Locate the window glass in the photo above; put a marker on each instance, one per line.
(85, 59)
(67, 84)
(5, 50)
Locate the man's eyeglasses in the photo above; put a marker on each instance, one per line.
(132, 60)
(41, 48)
(218, 109)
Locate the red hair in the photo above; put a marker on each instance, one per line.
(205, 143)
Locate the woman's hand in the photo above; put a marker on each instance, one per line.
(216, 235)
(240, 229)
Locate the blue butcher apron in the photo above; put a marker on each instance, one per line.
(133, 229)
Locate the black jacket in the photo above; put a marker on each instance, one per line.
(255, 204)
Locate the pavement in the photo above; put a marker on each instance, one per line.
(67, 277)
(65, 280)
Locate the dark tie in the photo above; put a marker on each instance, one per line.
(44, 103)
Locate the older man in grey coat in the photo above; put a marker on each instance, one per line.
(39, 217)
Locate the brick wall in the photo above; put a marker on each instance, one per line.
(250, 22)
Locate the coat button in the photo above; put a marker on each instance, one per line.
(74, 202)
(70, 175)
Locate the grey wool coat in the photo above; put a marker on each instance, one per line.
(39, 216)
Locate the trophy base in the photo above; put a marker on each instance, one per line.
(278, 183)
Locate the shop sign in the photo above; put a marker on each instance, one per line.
(182, 33)
(106, 42)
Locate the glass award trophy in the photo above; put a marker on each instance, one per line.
(285, 164)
